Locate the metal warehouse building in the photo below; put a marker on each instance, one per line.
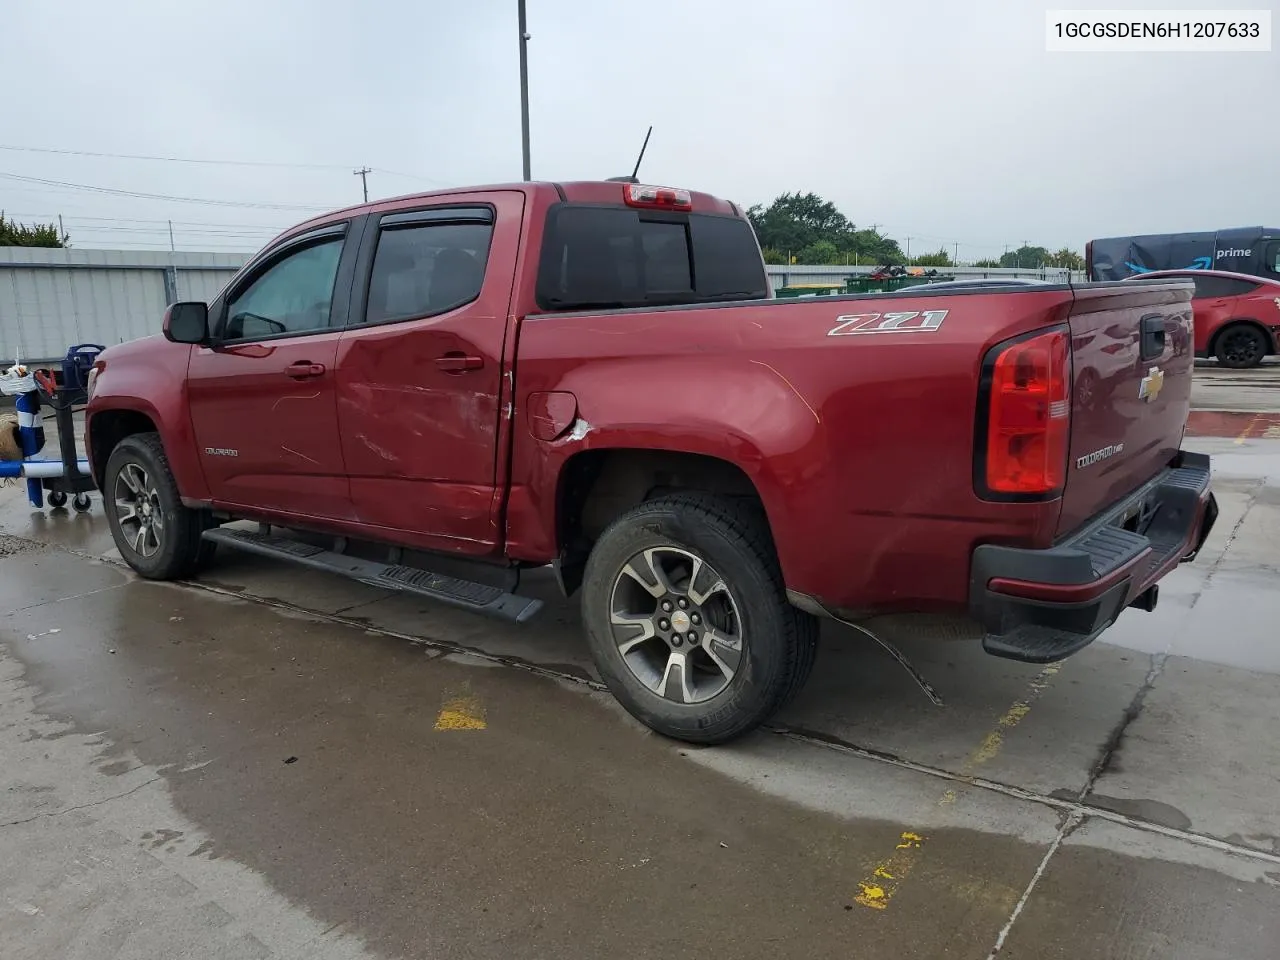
(51, 299)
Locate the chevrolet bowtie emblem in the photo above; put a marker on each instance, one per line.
(1151, 385)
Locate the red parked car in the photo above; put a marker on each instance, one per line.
(1237, 315)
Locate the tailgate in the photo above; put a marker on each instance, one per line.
(1132, 362)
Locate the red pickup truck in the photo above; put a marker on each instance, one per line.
(436, 392)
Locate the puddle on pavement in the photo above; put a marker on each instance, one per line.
(430, 805)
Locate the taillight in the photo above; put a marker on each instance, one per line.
(1028, 417)
(662, 198)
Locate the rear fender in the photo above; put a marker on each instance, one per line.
(1273, 345)
(745, 414)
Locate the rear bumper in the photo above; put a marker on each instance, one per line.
(1044, 605)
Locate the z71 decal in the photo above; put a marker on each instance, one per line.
(908, 321)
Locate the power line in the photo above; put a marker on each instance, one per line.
(75, 218)
(114, 191)
(140, 156)
(214, 162)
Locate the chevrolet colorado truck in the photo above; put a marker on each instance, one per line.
(434, 393)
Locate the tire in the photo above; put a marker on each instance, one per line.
(57, 499)
(1240, 346)
(753, 650)
(173, 548)
(81, 503)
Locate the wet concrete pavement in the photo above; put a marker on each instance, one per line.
(278, 763)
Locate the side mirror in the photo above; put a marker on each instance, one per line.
(187, 322)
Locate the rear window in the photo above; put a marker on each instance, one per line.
(1210, 286)
(602, 257)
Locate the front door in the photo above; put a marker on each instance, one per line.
(262, 397)
(420, 370)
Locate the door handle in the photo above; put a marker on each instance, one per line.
(1152, 337)
(304, 370)
(458, 363)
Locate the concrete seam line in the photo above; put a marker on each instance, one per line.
(1069, 823)
(1019, 793)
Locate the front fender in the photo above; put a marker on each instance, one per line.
(148, 378)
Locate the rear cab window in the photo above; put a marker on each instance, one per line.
(597, 256)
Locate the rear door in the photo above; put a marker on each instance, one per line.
(262, 398)
(1132, 361)
(420, 386)
(1217, 302)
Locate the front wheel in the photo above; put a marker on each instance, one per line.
(688, 620)
(157, 536)
(1240, 346)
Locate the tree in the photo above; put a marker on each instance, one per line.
(1025, 257)
(986, 263)
(813, 230)
(795, 221)
(1066, 257)
(939, 259)
(14, 234)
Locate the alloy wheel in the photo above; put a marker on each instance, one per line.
(676, 625)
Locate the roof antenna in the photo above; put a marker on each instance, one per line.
(636, 172)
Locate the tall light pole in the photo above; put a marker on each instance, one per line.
(524, 91)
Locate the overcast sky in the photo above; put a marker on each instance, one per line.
(945, 121)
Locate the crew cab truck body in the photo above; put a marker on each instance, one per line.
(433, 393)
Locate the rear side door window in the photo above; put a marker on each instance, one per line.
(1211, 288)
(426, 264)
(293, 295)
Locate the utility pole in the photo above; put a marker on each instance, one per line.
(363, 174)
(172, 247)
(908, 250)
(956, 261)
(524, 91)
(61, 233)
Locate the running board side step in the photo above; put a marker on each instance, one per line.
(478, 597)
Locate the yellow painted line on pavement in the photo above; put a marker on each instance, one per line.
(878, 888)
(463, 711)
(1244, 434)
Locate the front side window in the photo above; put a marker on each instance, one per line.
(424, 269)
(294, 295)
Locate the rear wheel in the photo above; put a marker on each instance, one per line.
(688, 620)
(157, 536)
(1241, 345)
